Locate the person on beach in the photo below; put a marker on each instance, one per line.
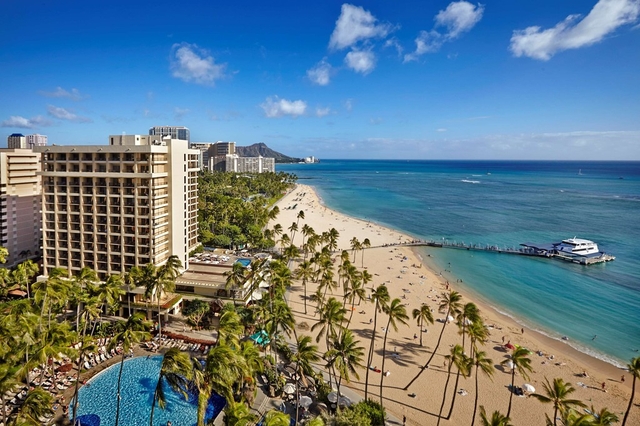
(522, 330)
(622, 378)
(604, 386)
(404, 420)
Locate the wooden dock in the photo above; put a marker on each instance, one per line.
(524, 250)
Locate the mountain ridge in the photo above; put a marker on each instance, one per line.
(261, 149)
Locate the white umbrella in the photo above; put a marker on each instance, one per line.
(332, 397)
(528, 388)
(289, 388)
(510, 364)
(305, 401)
(450, 318)
(344, 401)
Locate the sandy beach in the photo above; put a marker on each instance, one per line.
(407, 278)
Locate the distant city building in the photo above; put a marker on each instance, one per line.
(20, 195)
(237, 164)
(36, 140)
(217, 155)
(209, 150)
(174, 132)
(17, 140)
(311, 159)
(109, 208)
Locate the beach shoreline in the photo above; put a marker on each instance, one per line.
(560, 360)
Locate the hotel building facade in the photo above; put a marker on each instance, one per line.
(173, 132)
(125, 204)
(20, 194)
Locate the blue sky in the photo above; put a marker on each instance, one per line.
(371, 79)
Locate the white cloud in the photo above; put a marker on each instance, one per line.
(26, 123)
(321, 112)
(320, 74)
(426, 42)
(442, 129)
(64, 114)
(573, 33)
(355, 24)
(362, 61)
(393, 42)
(192, 64)
(74, 94)
(275, 107)
(459, 17)
(179, 113)
(348, 104)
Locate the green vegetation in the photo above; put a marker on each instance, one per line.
(233, 209)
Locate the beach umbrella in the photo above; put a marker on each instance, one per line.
(319, 408)
(332, 397)
(305, 401)
(509, 346)
(528, 388)
(510, 364)
(289, 389)
(344, 401)
(450, 318)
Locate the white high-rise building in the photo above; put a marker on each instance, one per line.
(20, 195)
(36, 140)
(125, 204)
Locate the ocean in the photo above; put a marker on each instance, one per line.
(506, 203)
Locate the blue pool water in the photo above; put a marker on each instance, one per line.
(244, 262)
(139, 379)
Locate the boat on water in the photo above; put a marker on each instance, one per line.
(574, 249)
(577, 246)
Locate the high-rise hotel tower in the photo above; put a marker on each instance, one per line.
(125, 204)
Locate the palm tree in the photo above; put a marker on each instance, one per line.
(304, 272)
(557, 394)
(238, 414)
(522, 364)
(478, 333)
(23, 273)
(422, 315)
(331, 318)
(235, 278)
(497, 418)
(380, 297)
(396, 313)
(634, 369)
(290, 253)
(176, 371)
(355, 246)
(36, 405)
(276, 418)
(7, 383)
(345, 357)
(449, 305)
(484, 364)
(110, 291)
(604, 417)
(355, 291)
(467, 316)
(463, 364)
(365, 244)
(134, 330)
(163, 281)
(305, 354)
(456, 354)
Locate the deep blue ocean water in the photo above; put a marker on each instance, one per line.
(506, 203)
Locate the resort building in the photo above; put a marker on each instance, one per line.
(17, 140)
(112, 207)
(237, 164)
(20, 194)
(218, 155)
(36, 140)
(173, 132)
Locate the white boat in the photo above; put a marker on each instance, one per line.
(577, 247)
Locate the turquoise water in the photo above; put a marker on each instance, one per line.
(508, 203)
(139, 379)
(244, 262)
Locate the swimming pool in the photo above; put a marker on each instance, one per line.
(139, 378)
(244, 261)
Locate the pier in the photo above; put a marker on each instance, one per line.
(525, 249)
